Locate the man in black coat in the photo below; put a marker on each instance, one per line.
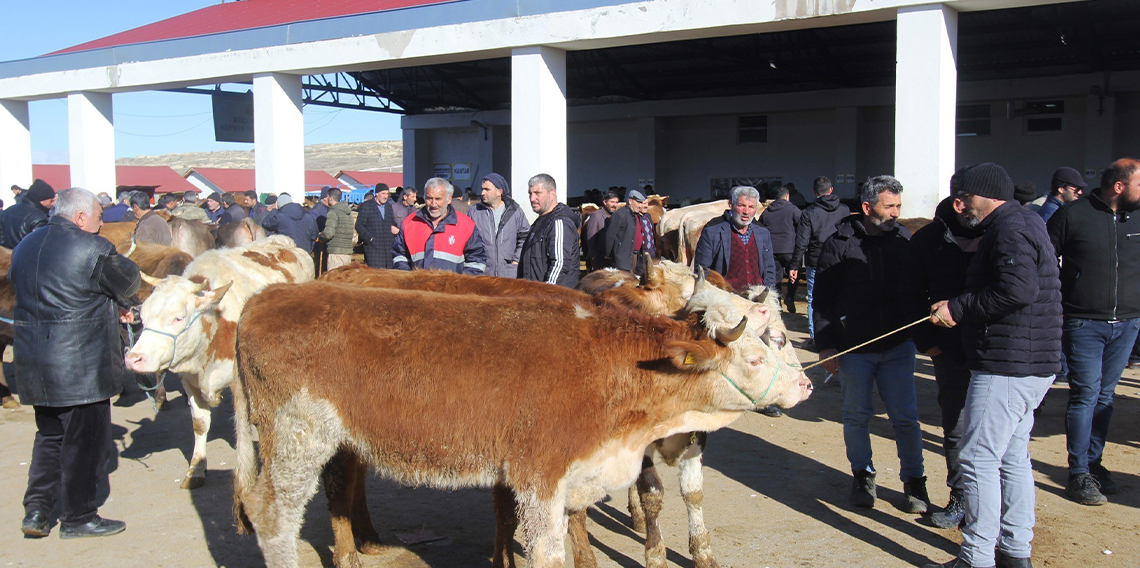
(290, 219)
(1098, 240)
(71, 290)
(376, 226)
(781, 218)
(629, 233)
(550, 253)
(28, 214)
(817, 224)
(942, 251)
(1010, 315)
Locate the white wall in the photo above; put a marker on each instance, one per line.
(601, 154)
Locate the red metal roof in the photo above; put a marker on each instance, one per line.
(234, 16)
(393, 179)
(237, 179)
(163, 178)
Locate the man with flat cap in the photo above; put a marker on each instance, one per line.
(1066, 187)
(629, 234)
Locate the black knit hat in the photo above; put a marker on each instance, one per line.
(40, 191)
(1025, 192)
(988, 180)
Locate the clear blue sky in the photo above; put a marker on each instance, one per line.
(146, 123)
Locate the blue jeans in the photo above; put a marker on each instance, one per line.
(1097, 352)
(892, 371)
(809, 274)
(997, 476)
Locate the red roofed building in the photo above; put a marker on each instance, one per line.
(151, 179)
(368, 180)
(232, 180)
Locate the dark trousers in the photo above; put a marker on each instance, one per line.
(71, 442)
(785, 262)
(953, 378)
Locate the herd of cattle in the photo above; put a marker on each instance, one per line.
(673, 355)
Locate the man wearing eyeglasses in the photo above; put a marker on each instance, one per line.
(1067, 186)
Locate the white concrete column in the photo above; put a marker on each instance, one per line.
(15, 148)
(91, 142)
(279, 135)
(926, 83)
(845, 137)
(538, 119)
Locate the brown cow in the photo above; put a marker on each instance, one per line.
(7, 306)
(558, 445)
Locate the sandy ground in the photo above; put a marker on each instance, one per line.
(775, 496)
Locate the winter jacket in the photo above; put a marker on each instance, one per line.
(620, 237)
(781, 219)
(452, 245)
(940, 264)
(818, 222)
(19, 220)
(375, 231)
(1100, 259)
(503, 242)
(291, 220)
(338, 229)
(551, 253)
(114, 213)
(1010, 313)
(402, 212)
(1051, 205)
(152, 228)
(214, 216)
(594, 239)
(715, 248)
(232, 214)
(258, 212)
(69, 284)
(191, 212)
(864, 287)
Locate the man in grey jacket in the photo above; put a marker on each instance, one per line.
(502, 226)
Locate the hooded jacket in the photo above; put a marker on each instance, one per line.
(1010, 313)
(1100, 259)
(551, 253)
(817, 224)
(20, 219)
(781, 218)
(291, 220)
(940, 263)
(338, 231)
(503, 242)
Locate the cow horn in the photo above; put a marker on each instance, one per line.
(728, 336)
(134, 245)
(700, 279)
(149, 279)
(648, 268)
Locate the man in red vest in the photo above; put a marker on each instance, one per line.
(439, 237)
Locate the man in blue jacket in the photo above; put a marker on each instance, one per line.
(738, 247)
(1010, 315)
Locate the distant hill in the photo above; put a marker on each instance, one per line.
(384, 155)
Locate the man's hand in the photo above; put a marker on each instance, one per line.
(940, 315)
(793, 275)
(832, 366)
(933, 351)
(126, 316)
(395, 230)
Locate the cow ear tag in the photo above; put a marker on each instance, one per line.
(689, 359)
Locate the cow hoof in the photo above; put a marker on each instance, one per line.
(193, 481)
(373, 547)
(347, 561)
(10, 402)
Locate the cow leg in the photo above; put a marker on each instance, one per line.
(636, 511)
(6, 399)
(200, 412)
(339, 476)
(580, 540)
(650, 487)
(692, 490)
(506, 522)
(362, 527)
(544, 528)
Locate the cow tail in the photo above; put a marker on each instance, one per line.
(682, 250)
(245, 471)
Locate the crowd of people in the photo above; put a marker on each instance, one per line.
(1005, 296)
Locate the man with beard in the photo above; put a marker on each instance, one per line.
(550, 253)
(629, 235)
(502, 226)
(1098, 240)
(1010, 316)
(1066, 187)
(863, 290)
(942, 252)
(28, 214)
(439, 237)
(817, 224)
(738, 247)
(594, 234)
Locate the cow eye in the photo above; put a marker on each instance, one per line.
(756, 362)
(179, 319)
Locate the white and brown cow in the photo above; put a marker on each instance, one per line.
(418, 414)
(189, 324)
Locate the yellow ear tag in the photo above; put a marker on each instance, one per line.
(689, 359)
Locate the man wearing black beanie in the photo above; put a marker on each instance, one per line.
(28, 214)
(1010, 319)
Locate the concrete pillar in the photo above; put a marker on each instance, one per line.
(91, 142)
(278, 135)
(845, 138)
(15, 148)
(1099, 118)
(926, 83)
(538, 119)
(417, 157)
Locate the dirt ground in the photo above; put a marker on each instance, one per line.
(775, 496)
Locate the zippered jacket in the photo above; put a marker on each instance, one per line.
(1100, 259)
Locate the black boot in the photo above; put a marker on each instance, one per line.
(955, 563)
(1103, 479)
(1084, 489)
(863, 489)
(954, 514)
(917, 501)
(1006, 561)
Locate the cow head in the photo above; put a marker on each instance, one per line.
(751, 370)
(178, 320)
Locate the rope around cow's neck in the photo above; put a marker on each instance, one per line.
(866, 343)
